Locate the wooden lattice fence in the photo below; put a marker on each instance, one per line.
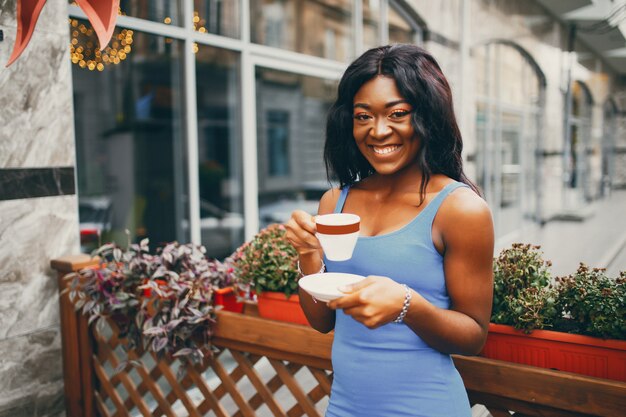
(267, 368)
(231, 381)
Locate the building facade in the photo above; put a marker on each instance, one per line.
(203, 121)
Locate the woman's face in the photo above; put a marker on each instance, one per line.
(382, 126)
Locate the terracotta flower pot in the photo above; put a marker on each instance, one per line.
(227, 298)
(276, 306)
(580, 354)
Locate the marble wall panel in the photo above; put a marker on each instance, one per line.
(33, 231)
(18, 183)
(32, 375)
(36, 102)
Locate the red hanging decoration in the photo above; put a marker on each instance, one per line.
(27, 15)
(101, 13)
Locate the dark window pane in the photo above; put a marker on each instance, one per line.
(321, 28)
(278, 142)
(130, 145)
(219, 150)
(220, 17)
(291, 117)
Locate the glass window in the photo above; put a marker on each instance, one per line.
(321, 28)
(278, 143)
(219, 150)
(508, 89)
(371, 17)
(130, 146)
(400, 30)
(220, 17)
(163, 11)
(291, 118)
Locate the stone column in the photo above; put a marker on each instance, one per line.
(38, 210)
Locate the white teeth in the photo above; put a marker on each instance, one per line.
(385, 150)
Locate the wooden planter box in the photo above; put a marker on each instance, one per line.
(275, 306)
(556, 350)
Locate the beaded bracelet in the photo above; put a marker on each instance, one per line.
(405, 306)
(322, 269)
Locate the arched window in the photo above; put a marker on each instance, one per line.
(509, 116)
(609, 135)
(578, 148)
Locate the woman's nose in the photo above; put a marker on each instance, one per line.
(381, 129)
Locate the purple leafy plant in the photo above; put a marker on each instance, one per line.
(162, 302)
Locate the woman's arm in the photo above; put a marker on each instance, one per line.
(301, 234)
(466, 228)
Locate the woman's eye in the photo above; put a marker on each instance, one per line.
(361, 116)
(396, 114)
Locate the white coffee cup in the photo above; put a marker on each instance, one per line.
(338, 234)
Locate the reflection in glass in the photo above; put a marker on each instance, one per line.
(291, 117)
(508, 91)
(219, 150)
(220, 17)
(278, 143)
(371, 17)
(129, 143)
(163, 11)
(580, 149)
(400, 31)
(321, 28)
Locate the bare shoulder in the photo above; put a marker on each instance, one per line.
(329, 201)
(464, 211)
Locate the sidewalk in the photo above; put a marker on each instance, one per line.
(598, 241)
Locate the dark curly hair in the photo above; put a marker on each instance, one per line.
(422, 83)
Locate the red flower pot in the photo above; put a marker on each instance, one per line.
(585, 355)
(147, 292)
(226, 298)
(275, 306)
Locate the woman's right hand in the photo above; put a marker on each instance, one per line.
(301, 233)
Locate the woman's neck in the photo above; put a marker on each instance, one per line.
(405, 180)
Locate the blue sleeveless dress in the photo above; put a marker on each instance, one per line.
(390, 371)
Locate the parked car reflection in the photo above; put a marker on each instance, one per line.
(279, 211)
(96, 215)
(221, 231)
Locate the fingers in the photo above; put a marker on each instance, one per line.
(301, 231)
(354, 295)
(374, 301)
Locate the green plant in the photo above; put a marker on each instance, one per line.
(533, 308)
(592, 303)
(522, 296)
(162, 302)
(268, 262)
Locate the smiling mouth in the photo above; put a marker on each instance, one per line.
(384, 150)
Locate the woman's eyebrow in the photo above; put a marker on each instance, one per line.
(387, 105)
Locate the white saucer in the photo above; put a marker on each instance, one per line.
(324, 286)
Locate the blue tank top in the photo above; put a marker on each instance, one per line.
(390, 371)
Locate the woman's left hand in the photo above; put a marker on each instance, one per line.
(374, 301)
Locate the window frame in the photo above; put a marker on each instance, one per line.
(251, 56)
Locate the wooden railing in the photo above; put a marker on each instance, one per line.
(268, 368)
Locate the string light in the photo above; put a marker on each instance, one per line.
(85, 53)
(198, 23)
